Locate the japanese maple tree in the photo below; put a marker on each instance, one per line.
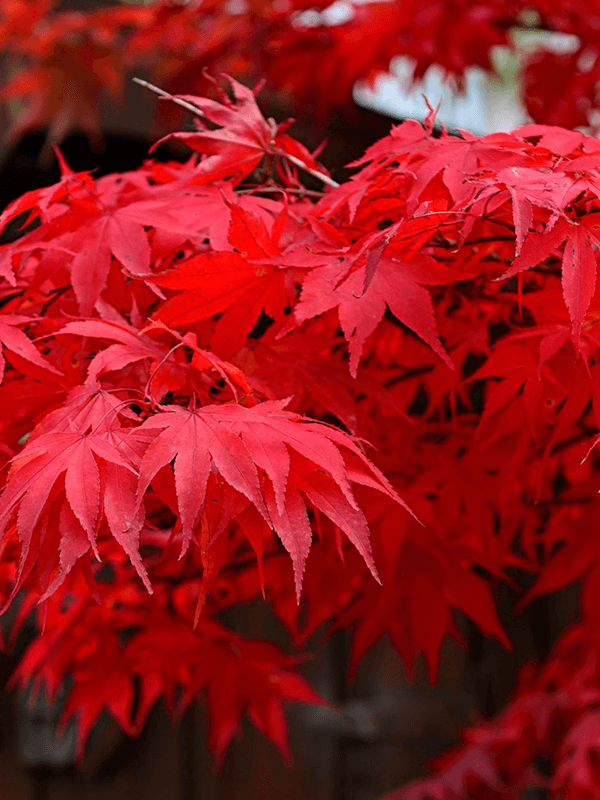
(364, 403)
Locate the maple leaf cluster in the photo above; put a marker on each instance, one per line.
(66, 65)
(196, 355)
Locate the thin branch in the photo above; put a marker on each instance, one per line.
(319, 175)
(447, 245)
(486, 239)
(284, 190)
(161, 92)
(502, 222)
(56, 294)
(408, 375)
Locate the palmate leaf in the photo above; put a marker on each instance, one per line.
(88, 478)
(96, 233)
(275, 459)
(235, 137)
(362, 298)
(88, 224)
(239, 283)
(579, 264)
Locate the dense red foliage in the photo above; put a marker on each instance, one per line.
(192, 353)
(364, 403)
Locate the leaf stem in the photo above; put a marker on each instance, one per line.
(320, 175)
(161, 92)
(283, 190)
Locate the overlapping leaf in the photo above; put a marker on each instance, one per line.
(235, 137)
(302, 460)
(88, 476)
(397, 285)
(238, 284)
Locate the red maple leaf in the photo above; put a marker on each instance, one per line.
(15, 341)
(300, 458)
(396, 284)
(579, 264)
(235, 137)
(85, 476)
(239, 284)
